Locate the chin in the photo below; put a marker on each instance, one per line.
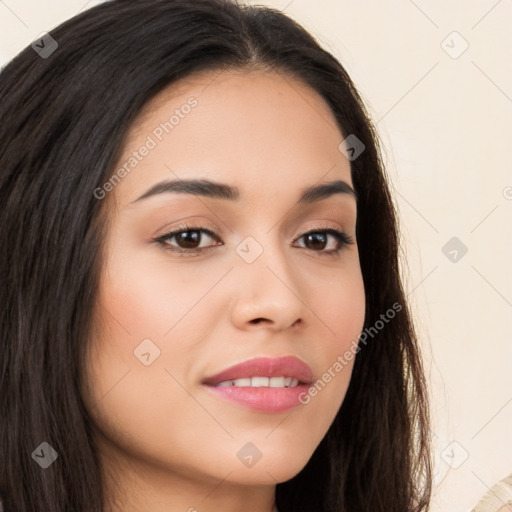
(271, 464)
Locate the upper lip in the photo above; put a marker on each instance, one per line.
(288, 366)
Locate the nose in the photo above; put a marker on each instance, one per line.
(267, 292)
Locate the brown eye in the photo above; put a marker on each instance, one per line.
(318, 240)
(186, 239)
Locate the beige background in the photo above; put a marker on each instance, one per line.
(444, 114)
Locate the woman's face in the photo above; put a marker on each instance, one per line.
(251, 286)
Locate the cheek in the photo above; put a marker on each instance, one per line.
(146, 294)
(339, 305)
(340, 309)
(144, 299)
(136, 340)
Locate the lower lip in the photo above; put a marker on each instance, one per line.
(264, 398)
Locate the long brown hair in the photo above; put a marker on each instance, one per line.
(64, 119)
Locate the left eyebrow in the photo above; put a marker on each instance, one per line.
(216, 190)
(325, 190)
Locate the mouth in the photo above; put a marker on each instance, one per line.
(264, 384)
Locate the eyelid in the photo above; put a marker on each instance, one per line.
(342, 237)
(187, 227)
(319, 227)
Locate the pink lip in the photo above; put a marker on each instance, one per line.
(289, 366)
(264, 399)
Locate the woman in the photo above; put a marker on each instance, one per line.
(202, 307)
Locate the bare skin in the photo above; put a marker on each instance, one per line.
(167, 443)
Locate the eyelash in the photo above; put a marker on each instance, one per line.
(341, 237)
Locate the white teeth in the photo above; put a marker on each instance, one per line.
(257, 382)
(226, 383)
(242, 382)
(276, 382)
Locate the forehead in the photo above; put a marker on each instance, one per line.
(263, 132)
